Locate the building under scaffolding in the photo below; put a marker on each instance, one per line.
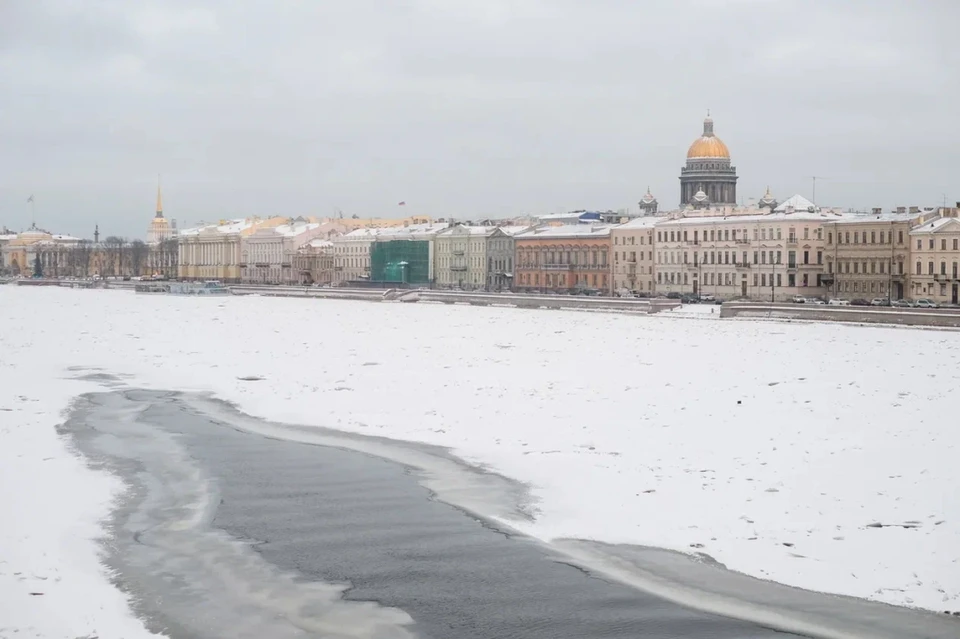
(400, 262)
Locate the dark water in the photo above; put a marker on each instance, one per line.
(228, 533)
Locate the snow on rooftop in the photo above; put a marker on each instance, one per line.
(935, 225)
(641, 223)
(801, 216)
(293, 230)
(797, 203)
(862, 218)
(567, 230)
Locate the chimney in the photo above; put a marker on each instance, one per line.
(876, 211)
(901, 209)
(914, 209)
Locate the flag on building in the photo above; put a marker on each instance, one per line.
(30, 199)
(402, 204)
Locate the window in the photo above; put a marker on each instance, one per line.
(779, 279)
(943, 245)
(806, 233)
(763, 279)
(744, 261)
(819, 257)
(931, 243)
(829, 238)
(919, 269)
(954, 244)
(856, 267)
(883, 266)
(943, 268)
(900, 237)
(856, 237)
(930, 268)
(778, 234)
(791, 280)
(684, 236)
(756, 277)
(919, 245)
(778, 257)
(806, 257)
(943, 289)
(881, 237)
(873, 237)
(791, 259)
(755, 261)
(847, 239)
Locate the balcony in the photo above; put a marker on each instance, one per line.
(458, 268)
(458, 253)
(940, 277)
(791, 239)
(742, 240)
(743, 266)
(792, 265)
(558, 267)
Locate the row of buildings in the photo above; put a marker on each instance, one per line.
(762, 249)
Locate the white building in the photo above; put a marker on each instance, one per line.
(475, 257)
(268, 253)
(213, 252)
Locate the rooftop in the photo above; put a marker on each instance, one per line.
(935, 225)
(641, 223)
(572, 230)
(799, 216)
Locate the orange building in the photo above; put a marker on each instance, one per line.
(563, 258)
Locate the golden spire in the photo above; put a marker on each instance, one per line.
(159, 199)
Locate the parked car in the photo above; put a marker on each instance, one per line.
(902, 303)
(689, 299)
(815, 300)
(860, 302)
(798, 299)
(838, 302)
(708, 298)
(925, 303)
(879, 301)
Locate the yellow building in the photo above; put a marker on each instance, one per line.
(19, 252)
(213, 252)
(352, 224)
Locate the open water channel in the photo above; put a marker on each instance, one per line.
(235, 528)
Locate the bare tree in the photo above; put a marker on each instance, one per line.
(81, 258)
(113, 246)
(168, 253)
(138, 251)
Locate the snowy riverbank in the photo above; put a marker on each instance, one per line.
(774, 448)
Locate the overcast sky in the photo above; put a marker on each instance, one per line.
(463, 108)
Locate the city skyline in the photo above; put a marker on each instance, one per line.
(463, 111)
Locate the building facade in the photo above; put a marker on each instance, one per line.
(867, 256)
(563, 258)
(632, 266)
(353, 250)
(268, 253)
(935, 260)
(708, 172)
(475, 257)
(313, 263)
(744, 252)
(214, 252)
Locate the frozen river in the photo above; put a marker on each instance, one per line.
(241, 528)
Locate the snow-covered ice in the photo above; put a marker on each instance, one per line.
(774, 448)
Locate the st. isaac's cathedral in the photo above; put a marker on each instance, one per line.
(708, 177)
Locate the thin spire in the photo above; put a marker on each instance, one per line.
(159, 199)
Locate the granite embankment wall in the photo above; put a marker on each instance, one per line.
(947, 318)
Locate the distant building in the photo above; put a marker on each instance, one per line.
(267, 253)
(733, 252)
(213, 252)
(633, 247)
(649, 204)
(573, 217)
(353, 253)
(476, 257)
(160, 229)
(313, 263)
(708, 178)
(563, 258)
(935, 245)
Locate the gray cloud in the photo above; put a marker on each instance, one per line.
(460, 108)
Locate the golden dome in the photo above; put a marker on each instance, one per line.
(708, 145)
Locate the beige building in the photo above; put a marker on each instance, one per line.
(867, 256)
(737, 252)
(313, 263)
(268, 253)
(633, 248)
(935, 258)
(214, 252)
(475, 257)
